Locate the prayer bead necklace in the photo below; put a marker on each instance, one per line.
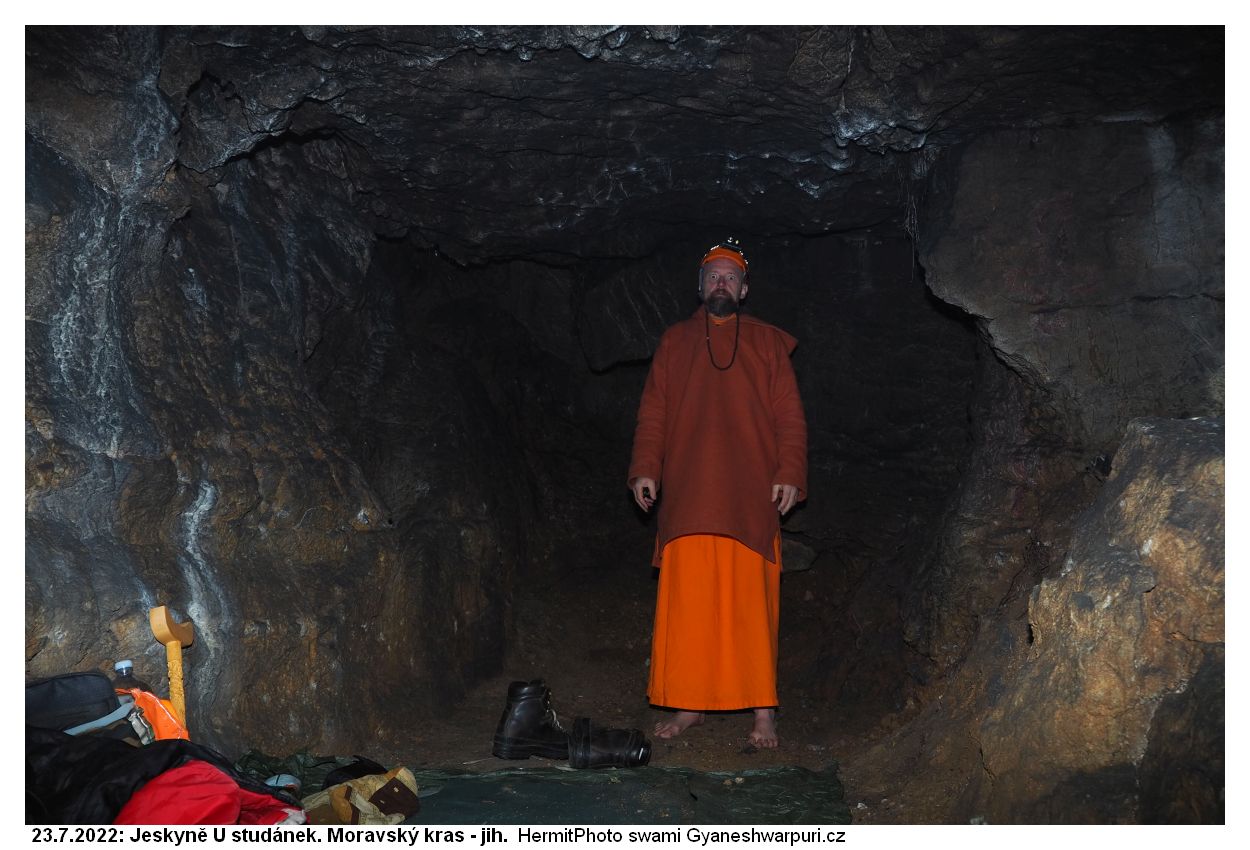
(707, 328)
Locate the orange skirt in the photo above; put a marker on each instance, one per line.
(714, 644)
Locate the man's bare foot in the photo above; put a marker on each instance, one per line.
(681, 721)
(764, 733)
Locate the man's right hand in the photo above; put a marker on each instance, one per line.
(645, 491)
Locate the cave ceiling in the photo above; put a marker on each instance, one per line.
(556, 143)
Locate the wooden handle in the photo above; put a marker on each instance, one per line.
(173, 657)
(175, 636)
(167, 629)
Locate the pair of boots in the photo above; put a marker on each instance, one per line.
(529, 727)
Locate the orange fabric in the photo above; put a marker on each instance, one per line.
(159, 713)
(717, 441)
(720, 253)
(714, 644)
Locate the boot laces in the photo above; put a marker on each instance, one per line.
(551, 718)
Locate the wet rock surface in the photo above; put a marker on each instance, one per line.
(335, 336)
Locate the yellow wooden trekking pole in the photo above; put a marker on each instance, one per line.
(175, 636)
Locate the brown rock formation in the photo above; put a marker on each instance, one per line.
(1133, 616)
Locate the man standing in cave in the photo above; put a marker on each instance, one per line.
(721, 429)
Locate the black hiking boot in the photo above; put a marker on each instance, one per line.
(529, 726)
(598, 747)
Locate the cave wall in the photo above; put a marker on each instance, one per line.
(1127, 646)
(1092, 260)
(546, 442)
(1057, 682)
(182, 451)
(1096, 695)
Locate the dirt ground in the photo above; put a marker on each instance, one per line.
(589, 637)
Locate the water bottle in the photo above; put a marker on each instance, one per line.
(124, 677)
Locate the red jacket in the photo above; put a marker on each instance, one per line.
(717, 441)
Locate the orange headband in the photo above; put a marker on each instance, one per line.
(720, 252)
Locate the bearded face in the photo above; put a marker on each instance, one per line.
(721, 304)
(723, 287)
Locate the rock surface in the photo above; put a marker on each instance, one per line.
(1127, 647)
(1096, 695)
(1096, 324)
(634, 129)
(1081, 310)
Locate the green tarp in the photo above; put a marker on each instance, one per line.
(642, 795)
(647, 795)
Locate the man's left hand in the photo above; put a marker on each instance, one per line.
(784, 497)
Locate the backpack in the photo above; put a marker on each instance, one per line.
(85, 703)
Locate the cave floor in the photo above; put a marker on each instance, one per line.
(588, 636)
